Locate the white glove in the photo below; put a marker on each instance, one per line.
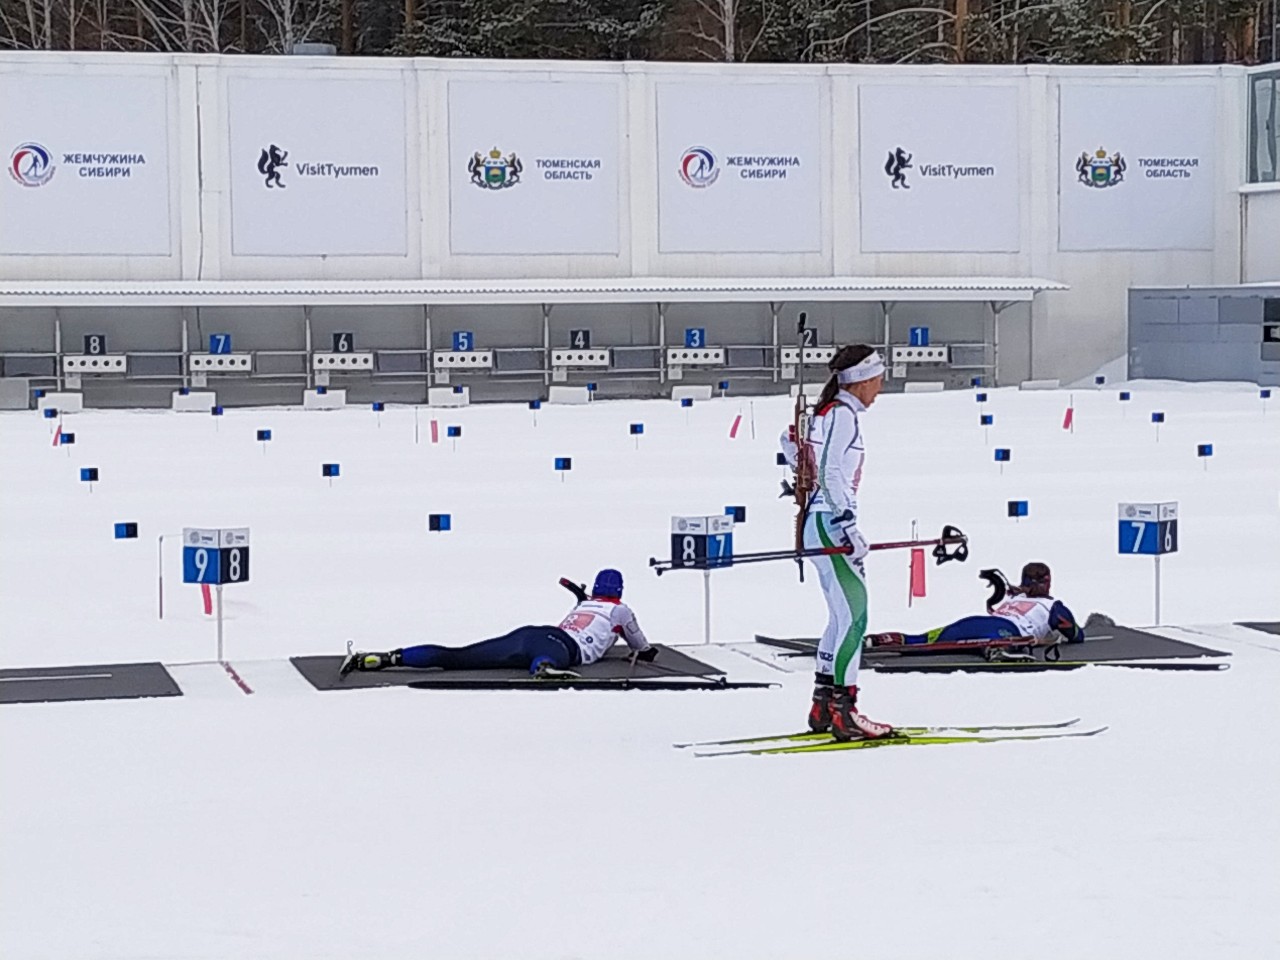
(852, 537)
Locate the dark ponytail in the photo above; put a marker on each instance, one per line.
(845, 357)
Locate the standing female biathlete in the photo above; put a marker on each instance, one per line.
(835, 443)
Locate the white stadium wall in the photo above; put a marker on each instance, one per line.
(1261, 217)
(311, 168)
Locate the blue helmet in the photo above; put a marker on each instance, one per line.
(608, 584)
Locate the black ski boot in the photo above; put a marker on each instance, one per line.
(823, 696)
(1012, 654)
(359, 660)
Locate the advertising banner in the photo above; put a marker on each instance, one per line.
(739, 167)
(1136, 166)
(939, 168)
(533, 166)
(88, 165)
(317, 166)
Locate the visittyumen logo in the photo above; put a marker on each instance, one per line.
(31, 165)
(1100, 170)
(495, 172)
(269, 164)
(899, 161)
(698, 167)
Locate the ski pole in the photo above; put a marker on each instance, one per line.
(951, 536)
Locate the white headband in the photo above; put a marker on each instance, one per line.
(866, 369)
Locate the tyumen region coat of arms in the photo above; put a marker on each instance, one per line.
(1100, 170)
(494, 172)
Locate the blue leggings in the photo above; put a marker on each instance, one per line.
(520, 648)
(969, 628)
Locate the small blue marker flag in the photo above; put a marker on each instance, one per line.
(782, 460)
(1002, 455)
(739, 514)
(1157, 418)
(184, 391)
(50, 413)
(439, 522)
(1264, 394)
(1017, 508)
(321, 391)
(1204, 450)
(723, 385)
(535, 404)
(457, 389)
(1124, 394)
(564, 463)
(264, 435)
(453, 431)
(975, 382)
(216, 411)
(987, 419)
(378, 406)
(686, 401)
(591, 388)
(329, 469)
(67, 438)
(1099, 381)
(37, 394)
(637, 429)
(88, 474)
(126, 531)
(980, 397)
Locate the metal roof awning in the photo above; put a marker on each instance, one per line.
(255, 293)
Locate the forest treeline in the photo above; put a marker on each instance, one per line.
(788, 31)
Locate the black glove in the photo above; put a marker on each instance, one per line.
(647, 654)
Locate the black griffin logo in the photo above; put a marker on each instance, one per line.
(899, 160)
(269, 165)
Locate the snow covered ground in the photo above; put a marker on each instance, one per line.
(400, 823)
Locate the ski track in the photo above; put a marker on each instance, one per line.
(399, 824)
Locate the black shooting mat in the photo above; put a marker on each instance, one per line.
(109, 681)
(1264, 627)
(670, 667)
(796, 645)
(1106, 644)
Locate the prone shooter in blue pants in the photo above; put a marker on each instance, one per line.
(1025, 612)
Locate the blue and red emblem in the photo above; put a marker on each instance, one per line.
(698, 167)
(31, 165)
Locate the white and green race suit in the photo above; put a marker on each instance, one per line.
(835, 439)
